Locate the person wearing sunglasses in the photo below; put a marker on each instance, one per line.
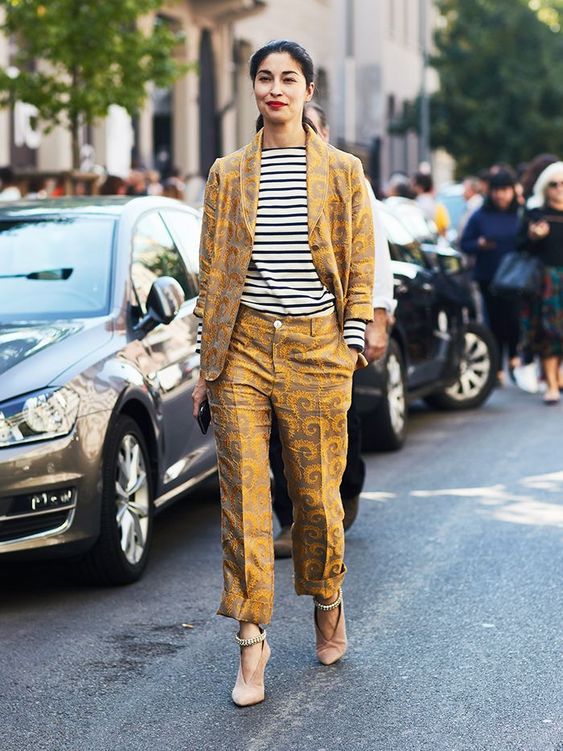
(541, 233)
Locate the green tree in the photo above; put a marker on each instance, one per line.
(77, 57)
(500, 65)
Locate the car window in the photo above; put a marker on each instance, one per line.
(396, 230)
(406, 247)
(186, 231)
(155, 254)
(55, 267)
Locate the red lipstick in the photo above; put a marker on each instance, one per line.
(276, 105)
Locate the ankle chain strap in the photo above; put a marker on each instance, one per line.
(253, 640)
(332, 605)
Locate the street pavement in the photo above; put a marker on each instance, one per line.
(454, 602)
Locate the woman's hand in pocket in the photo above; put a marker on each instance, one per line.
(199, 395)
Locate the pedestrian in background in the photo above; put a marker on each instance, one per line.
(9, 190)
(436, 212)
(376, 345)
(399, 185)
(286, 277)
(541, 233)
(489, 234)
(113, 185)
(530, 176)
(136, 183)
(172, 188)
(154, 185)
(36, 189)
(473, 200)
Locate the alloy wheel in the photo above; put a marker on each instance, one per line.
(474, 369)
(132, 498)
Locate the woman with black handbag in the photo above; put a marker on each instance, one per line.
(541, 234)
(489, 235)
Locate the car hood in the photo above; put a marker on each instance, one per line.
(32, 355)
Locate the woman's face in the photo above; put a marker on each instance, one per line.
(554, 190)
(502, 197)
(280, 89)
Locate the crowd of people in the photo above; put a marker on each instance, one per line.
(507, 211)
(139, 182)
(522, 212)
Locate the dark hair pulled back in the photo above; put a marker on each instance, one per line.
(298, 53)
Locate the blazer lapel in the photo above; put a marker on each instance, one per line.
(317, 177)
(250, 181)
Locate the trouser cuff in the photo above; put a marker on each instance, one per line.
(323, 588)
(241, 609)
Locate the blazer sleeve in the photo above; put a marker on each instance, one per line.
(359, 305)
(207, 242)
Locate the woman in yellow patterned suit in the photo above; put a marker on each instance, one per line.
(286, 276)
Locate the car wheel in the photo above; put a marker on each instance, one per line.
(385, 428)
(477, 372)
(121, 551)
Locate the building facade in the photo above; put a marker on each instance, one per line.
(186, 126)
(378, 70)
(369, 60)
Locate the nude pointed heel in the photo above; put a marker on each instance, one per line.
(246, 693)
(331, 650)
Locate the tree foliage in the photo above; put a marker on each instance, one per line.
(77, 57)
(501, 81)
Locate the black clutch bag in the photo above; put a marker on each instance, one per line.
(518, 275)
(204, 417)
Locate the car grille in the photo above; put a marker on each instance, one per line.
(14, 529)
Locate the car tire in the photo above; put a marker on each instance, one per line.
(120, 553)
(478, 371)
(385, 428)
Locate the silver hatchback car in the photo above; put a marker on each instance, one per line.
(97, 364)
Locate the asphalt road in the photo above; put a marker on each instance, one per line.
(454, 601)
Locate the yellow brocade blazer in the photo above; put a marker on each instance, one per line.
(340, 237)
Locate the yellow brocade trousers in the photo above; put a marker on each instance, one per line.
(301, 367)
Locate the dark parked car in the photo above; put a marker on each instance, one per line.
(437, 349)
(97, 365)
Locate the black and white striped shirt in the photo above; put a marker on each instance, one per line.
(281, 277)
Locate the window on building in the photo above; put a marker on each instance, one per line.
(391, 11)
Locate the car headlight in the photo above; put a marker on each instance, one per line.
(39, 416)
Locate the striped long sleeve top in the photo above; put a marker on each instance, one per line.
(281, 277)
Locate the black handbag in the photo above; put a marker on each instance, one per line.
(518, 275)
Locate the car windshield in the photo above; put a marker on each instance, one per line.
(55, 268)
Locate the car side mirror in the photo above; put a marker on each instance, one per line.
(164, 300)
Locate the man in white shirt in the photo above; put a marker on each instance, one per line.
(376, 340)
